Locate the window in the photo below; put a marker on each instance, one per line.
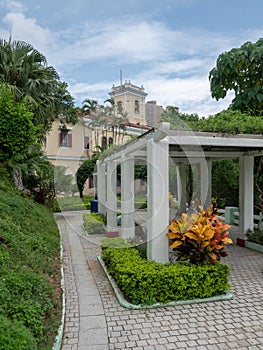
(110, 141)
(86, 142)
(104, 142)
(119, 106)
(65, 139)
(136, 107)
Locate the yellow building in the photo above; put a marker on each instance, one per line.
(69, 145)
(130, 98)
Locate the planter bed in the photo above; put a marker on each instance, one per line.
(123, 302)
(139, 283)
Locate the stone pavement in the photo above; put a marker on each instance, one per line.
(94, 319)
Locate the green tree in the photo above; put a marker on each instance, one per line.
(176, 119)
(36, 83)
(89, 106)
(84, 172)
(17, 131)
(240, 70)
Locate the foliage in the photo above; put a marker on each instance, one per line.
(73, 203)
(36, 83)
(62, 181)
(140, 172)
(178, 120)
(199, 238)
(230, 122)
(116, 242)
(93, 223)
(84, 172)
(13, 335)
(240, 70)
(225, 185)
(29, 271)
(16, 126)
(147, 282)
(255, 235)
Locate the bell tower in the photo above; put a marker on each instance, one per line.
(131, 99)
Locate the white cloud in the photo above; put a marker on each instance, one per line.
(13, 6)
(26, 29)
(172, 64)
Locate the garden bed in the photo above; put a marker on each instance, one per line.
(139, 283)
(125, 303)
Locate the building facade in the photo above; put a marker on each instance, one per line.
(70, 145)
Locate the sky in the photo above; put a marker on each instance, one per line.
(168, 46)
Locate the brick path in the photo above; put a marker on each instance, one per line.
(233, 324)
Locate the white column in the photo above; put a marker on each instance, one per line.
(111, 196)
(127, 198)
(158, 201)
(206, 183)
(181, 188)
(246, 193)
(101, 187)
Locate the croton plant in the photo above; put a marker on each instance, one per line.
(199, 237)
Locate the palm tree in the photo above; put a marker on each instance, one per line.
(124, 120)
(37, 83)
(89, 106)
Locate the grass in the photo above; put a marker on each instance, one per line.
(73, 203)
(30, 293)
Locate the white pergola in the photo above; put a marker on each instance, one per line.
(160, 149)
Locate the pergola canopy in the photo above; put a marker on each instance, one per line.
(160, 149)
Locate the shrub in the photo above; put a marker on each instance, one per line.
(146, 282)
(116, 242)
(255, 236)
(199, 238)
(29, 272)
(13, 335)
(93, 223)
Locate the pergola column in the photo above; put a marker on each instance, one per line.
(246, 193)
(111, 196)
(206, 183)
(101, 187)
(181, 188)
(127, 198)
(158, 201)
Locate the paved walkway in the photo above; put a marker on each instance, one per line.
(94, 320)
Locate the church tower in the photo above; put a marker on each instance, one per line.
(131, 99)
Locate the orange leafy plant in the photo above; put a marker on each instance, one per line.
(199, 237)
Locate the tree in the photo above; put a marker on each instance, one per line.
(36, 83)
(17, 131)
(240, 70)
(89, 105)
(84, 172)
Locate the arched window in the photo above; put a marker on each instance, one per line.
(119, 107)
(104, 142)
(136, 106)
(110, 141)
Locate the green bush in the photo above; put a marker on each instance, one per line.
(72, 203)
(15, 336)
(93, 223)
(29, 272)
(255, 236)
(147, 282)
(115, 243)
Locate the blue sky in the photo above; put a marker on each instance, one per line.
(168, 46)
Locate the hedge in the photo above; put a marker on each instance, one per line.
(147, 282)
(93, 223)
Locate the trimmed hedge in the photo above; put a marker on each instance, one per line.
(147, 282)
(93, 223)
